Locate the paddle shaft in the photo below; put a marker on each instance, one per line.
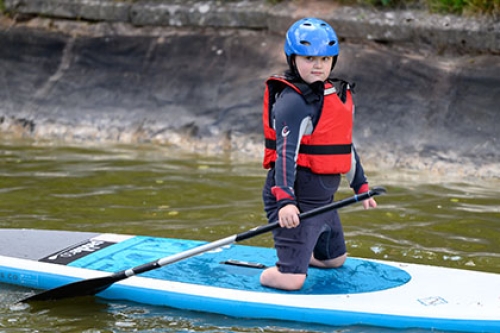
(248, 234)
(96, 285)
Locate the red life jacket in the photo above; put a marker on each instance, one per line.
(327, 150)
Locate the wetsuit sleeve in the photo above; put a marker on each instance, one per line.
(356, 176)
(292, 116)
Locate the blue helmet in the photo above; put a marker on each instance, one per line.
(311, 37)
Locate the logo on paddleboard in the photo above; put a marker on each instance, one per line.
(432, 301)
(77, 251)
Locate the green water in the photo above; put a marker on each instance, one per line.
(159, 191)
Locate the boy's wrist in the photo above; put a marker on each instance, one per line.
(281, 194)
(363, 188)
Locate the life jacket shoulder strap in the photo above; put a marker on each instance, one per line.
(343, 87)
(301, 87)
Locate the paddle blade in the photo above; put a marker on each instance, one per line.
(76, 289)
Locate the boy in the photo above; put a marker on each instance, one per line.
(308, 123)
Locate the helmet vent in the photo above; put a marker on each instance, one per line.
(332, 42)
(305, 42)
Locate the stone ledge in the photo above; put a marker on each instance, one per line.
(406, 27)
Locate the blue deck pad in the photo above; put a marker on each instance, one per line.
(356, 276)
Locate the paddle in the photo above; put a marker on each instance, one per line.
(95, 285)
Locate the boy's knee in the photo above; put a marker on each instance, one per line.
(329, 263)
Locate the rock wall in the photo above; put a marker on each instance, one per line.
(191, 74)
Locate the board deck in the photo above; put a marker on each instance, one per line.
(362, 292)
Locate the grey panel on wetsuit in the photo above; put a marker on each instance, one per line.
(37, 244)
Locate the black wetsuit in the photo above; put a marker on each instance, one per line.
(323, 235)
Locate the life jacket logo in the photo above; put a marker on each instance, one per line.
(75, 252)
(285, 131)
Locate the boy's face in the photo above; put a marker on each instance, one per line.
(312, 69)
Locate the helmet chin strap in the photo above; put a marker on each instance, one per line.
(334, 62)
(291, 64)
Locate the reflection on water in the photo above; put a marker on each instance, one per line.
(158, 191)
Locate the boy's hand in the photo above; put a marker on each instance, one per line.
(369, 203)
(289, 216)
